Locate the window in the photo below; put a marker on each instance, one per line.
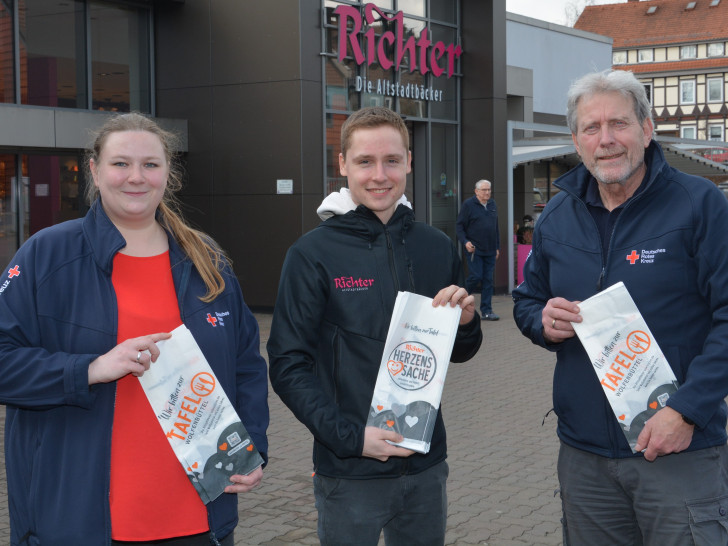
(54, 43)
(687, 92)
(715, 132)
(651, 10)
(688, 131)
(120, 58)
(648, 91)
(52, 71)
(412, 7)
(7, 87)
(9, 189)
(715, 89)
(716, 50)
(689, 52)
(619, 57)
(691, 5)
(443, 186)
(645, 55)
(714, 3)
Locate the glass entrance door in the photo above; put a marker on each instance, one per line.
(8, 208)
(48, 191)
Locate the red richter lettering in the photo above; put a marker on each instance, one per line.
(397, 42)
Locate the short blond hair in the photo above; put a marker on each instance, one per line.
(370, 118)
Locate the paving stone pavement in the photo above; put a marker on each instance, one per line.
(502, 458)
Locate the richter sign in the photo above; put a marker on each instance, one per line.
(424, 56)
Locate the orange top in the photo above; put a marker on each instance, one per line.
(151, 497)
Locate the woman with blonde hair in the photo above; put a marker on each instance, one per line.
(87, 461)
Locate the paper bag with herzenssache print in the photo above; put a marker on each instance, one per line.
(197, 417)
(412, 371)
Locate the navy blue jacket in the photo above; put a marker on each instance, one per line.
(479, 225)
(335, 300)
(677, 225)
(58, 313)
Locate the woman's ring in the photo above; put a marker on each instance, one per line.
(139, 355)
(553, 324)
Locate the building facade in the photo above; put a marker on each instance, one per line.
(258, 92)
(678, 49)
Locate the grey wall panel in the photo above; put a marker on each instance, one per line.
(309, 218)
(199, 211)
(182, 44)
(38, 127)
(312, 138)
(21, 126)
(257, 132)
(310, 37)
(194, 104)
(255, 41)
(257, 233)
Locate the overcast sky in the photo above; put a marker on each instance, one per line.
(553, 11)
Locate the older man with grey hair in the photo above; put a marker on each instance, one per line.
(477, 230)
(625, 215)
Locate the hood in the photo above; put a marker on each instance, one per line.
(340, 202)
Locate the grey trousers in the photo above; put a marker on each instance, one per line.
(678, 500)
(411, 509)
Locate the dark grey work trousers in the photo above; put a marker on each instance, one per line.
(678, 500)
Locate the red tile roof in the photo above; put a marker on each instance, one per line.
(629, 25)
(674, 66)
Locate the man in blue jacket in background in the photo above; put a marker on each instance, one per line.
(477, 230)
(625, 215)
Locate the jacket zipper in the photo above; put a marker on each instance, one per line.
(335, 351)
(115, 311)
(213, 538)
(404, 464)
(183, 282)
(390, 254)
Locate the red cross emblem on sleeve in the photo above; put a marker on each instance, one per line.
(212, 320)
(633, 257)
(14, 272)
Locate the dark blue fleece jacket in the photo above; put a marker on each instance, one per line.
(58, 312)
(668, 246)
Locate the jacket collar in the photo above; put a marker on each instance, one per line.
(102, 236)
(106, 240)
(366, 224)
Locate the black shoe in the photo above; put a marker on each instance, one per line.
(491, 316)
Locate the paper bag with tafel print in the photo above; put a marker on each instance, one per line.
(629, 364)
(197, 417)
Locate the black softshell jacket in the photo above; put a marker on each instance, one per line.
(335, 300)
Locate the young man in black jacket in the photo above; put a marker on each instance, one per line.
(335, 300)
